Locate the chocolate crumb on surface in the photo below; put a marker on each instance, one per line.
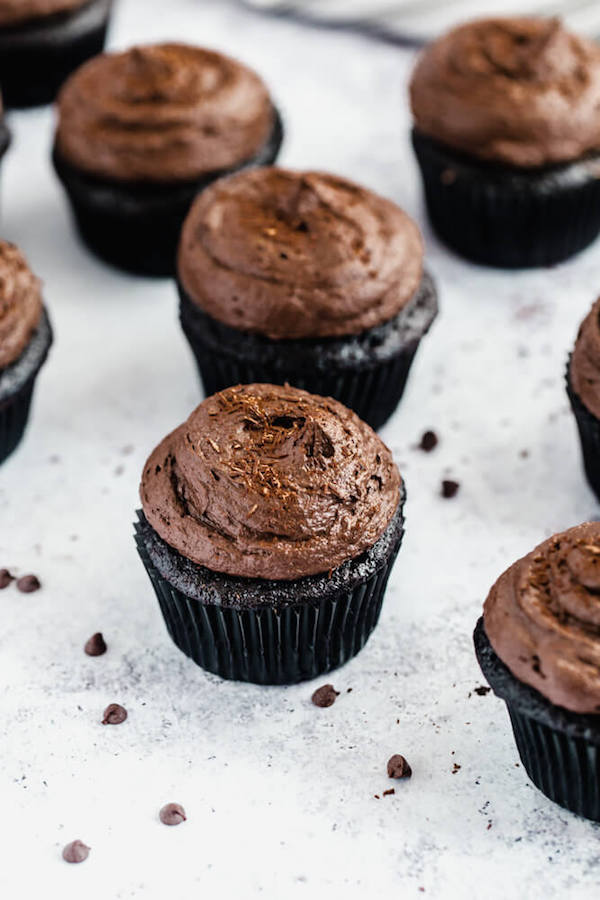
(482, 690)
(75, 852)
(389, 791)
(398, 767)
(325, 695)
(172, 814)
(456, 768)
(114, 714)
(96, 645)
(5, 578)
(27, 584)
(429, 441)
(449, 488)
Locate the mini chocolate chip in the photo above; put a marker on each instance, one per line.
(75, 852)
(5, 578)
(114, 714)
(325, 696)
(172, 814)
(28, 584)
(482, 690)
(389, 792)
(398, 767)
(449, 489)
(96, 645)
(429, 441)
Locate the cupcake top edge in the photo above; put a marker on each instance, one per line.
(542, 617)
(162, 113)
(19, 12)
(289, 254)
(270, 482)
(584, 370)
(20, 303)
(522, 92)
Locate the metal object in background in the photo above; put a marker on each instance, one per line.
(417, 21)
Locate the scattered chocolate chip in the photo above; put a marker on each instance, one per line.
(5, 578)
(28, 584)
(75, 852)
(429, 441)
(389, 791)
(449, 489)
(172, 814)
(96, 645)
(114, 714)
(398, 767)
(325, 696)
(482, 690)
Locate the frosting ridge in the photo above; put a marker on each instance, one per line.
(17, 12)
(20, 303)
(584, 370)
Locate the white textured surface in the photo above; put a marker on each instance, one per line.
(279, 793)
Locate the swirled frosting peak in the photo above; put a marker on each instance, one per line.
(16, 12)
(270, 482)
(542, 617)
(584, 370)
(166, 112)
(298, 254)
(20, 303)
(520, 91)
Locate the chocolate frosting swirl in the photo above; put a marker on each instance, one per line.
(542, 617)
(270, 482)
(298, 254)
(525, 92)
(16, 12)
(20, 303)
(584, 370)
(169, 112)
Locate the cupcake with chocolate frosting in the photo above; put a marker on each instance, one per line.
(140, 133)
(43, 41)
(583, 388)
(269, 526)
(538, 645)
(507, 135)
(25, 338)
(308, 279)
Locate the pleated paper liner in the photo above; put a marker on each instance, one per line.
(17, 382)
(136, 226)
(507, 217)
(560, 750)
(269, 632)
(589, 432)
(366, 372)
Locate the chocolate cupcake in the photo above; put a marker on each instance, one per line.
(507, 135)
(583, 388)
(538, 645)
(43, 41)
(140, 133)
(25, 338)
(308, 279)
(271, 520)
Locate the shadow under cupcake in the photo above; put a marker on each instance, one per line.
(270, 524)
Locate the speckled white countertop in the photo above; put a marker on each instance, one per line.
(279, 794)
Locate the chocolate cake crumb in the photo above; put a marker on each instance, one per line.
(27, 584)
(449, 488)
(398, 767)
(75, 852)
(5, 578)
(172, 814)
(456, 768)
(96, 645)
(389, 791)
(429, 441)
(482, 690)
(325, 696)
(114, 714)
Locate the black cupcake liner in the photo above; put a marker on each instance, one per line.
(509, 217)
(136, 225)
(37, 57)
(559, 749)
(366, 372)
(269, 632)
(589, 433)
(17, 382)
